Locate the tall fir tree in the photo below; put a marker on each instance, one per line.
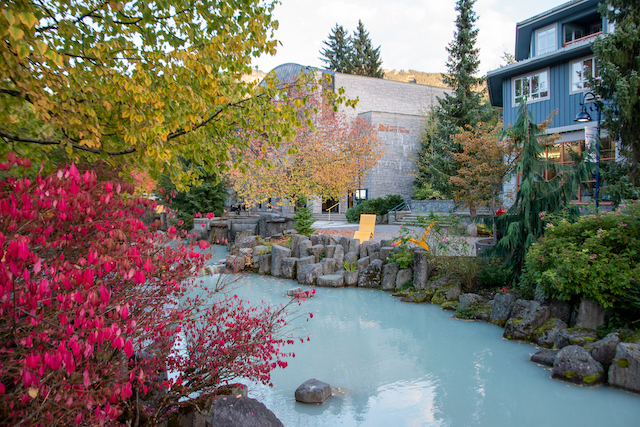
(617, 62)
(544, 188)
(463, 107)
(337, 51)
(365, 59)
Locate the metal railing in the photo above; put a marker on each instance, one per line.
(329, 210)
(405, 204)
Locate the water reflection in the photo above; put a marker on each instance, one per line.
(399, 364)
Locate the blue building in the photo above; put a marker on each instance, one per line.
(553, 62)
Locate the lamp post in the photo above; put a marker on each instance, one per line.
(583, 116)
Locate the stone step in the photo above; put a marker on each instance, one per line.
(325, 217)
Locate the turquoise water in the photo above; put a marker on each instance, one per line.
(396, 364)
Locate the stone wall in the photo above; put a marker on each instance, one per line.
(426, 206)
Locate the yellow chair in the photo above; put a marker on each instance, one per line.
(423, 240)
(366, 229)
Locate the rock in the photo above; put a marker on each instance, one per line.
(338, 255)
(389, 274)
(256, 253)
(315, 239)
(278, 253)
(313, 391)
(387, 243)
(245, 242)
(472, 230)
(420, 268)
(324, 239)
(545, 357)
(363, 249)
(295, 291)
(328, 265)
(334, 240)
(526, 317)
(330, 250)
(419, 297)
(288, 268)
(316, 251)
(405, 275)
(587, 314)
(330, 281)
(301, 263)
(560, 310)
(385, 251)
(187, 416)
(546, 334)
(376, 255)
(373, 247)
(354, 245)
(235, 263)
(351, 278)
(308, 274)
(440, 283)
(576, 336)
(625, 369)
(446, 293)
(573, 363)
(501, 309)
(350, 257)
(303, 247)
(344, 242)
(241, 412)
(604, 350)
(264, 264)
(371, 276)
(296, 239)
(467, 299)
(362, 263)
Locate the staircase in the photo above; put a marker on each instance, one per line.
(325, 217)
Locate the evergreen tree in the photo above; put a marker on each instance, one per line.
(537, 196)
(337, 53)
(365, 60)
(303, 218)
(617, 56)
(455, 111)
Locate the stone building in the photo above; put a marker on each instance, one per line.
(396, 110)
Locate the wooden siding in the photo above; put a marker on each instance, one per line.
(560, 99)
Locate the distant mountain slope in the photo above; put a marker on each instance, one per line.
(413, 76)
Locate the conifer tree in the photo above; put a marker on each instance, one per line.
(455, 111)
(304, 219)
(619, 82)
(544, 188)
(337, 53)
(365, 60)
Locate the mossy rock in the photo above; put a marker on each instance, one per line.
(416, 298)
(438, 297)
(545, 336)
(450, 305)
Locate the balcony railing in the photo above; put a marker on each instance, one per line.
(582, 39)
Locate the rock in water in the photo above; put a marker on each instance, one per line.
(574, 363)
(313, 391)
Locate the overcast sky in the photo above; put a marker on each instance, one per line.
(413, 34)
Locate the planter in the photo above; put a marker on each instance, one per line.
(484, 245)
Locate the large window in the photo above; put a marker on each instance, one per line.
(580, 72)
(546, 40)
(534, 87)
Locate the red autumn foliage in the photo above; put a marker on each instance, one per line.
(94, 304)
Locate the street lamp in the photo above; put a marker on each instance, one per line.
(583, 116)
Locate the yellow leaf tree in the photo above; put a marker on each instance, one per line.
(137, 83)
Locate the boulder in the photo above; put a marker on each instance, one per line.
(373, 247)
(546, 334)
(330, 281)
(526, 317)
(573, 363)
(264, 264)
(420, 268)
(245, 241)
(328, 265)
(405, 275)
(302, 248)
(329, 250)
(315, 239)
(575, 336)
(338, 254)
(344, 242)
(467, 299)
(241, 412)
(390, 272)
(313, 391)
(316, 251)
(363, 263)
(334, 240)
(308, 274)
(376, 255)
(324, 239)
(561, 310)
(354, 245)
(256, 253)
(278, 253)
(363, 249)
(350, 257)
(419, 297)
(446, 293)
(625, 369)
(296, 239)
(501, 308)
(439, 283)
(385, 251)
(545, 356)
(288, 268)
(301, 263)
(371, 276)
(604, 350)
(294, 291)
(351, 278)
(587, 314)
(234, 263)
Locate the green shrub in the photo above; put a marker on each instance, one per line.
(403, 255)
(597, 257)
(350, 267)
(425, 191)
(379, 206)
(493, 273)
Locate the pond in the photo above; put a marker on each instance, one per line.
(396, 364)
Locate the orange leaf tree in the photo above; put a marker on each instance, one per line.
(328, 157)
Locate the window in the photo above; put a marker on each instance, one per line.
(546, 40)
(572, 33)
(534, 87)
(580, 72)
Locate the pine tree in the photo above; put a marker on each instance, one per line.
(337, 53)
(304, 219)
(537, 196)
(455, 111)
(619, 81)
(365, 60)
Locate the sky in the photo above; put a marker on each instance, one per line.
(413, 34)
